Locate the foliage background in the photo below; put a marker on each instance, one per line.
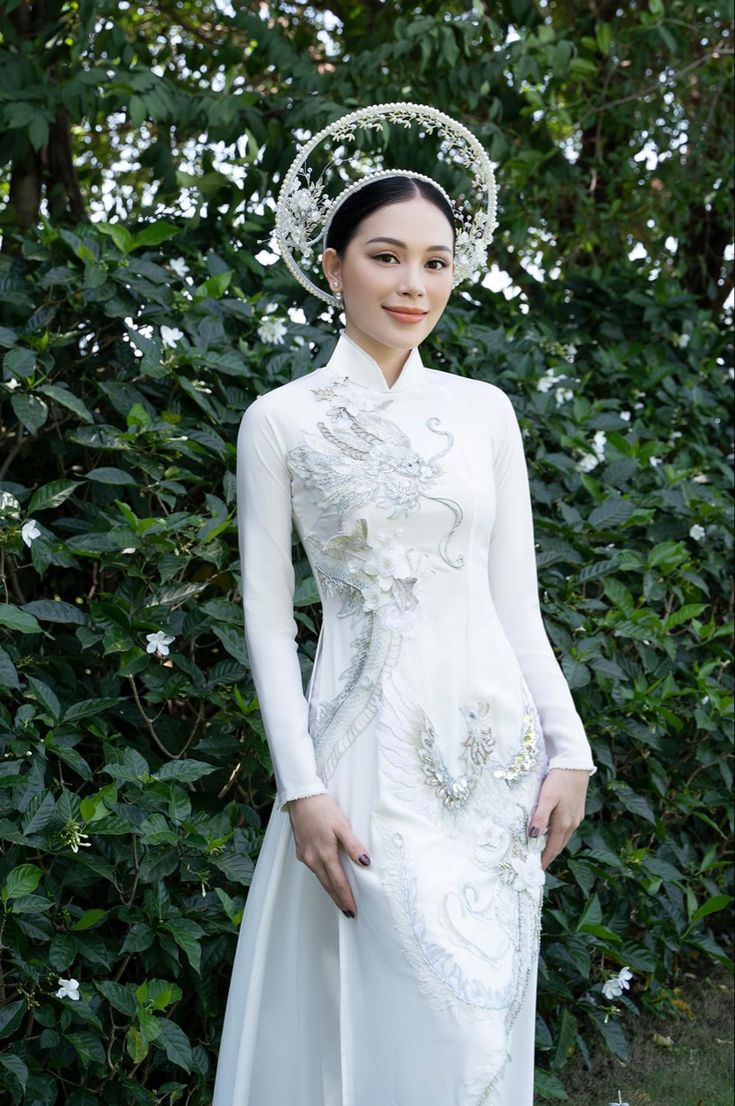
(134, 788)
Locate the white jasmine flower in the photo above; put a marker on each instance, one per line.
(569, 352)
(159, 643)
(625, 416)
(548, 381)
(682, 340)
(68, 988)
(269, 308)
(170, 335)
(201, 386)
(587, 463)
(697, 532)
(563, 395)
(675, 435)
(128, 549)
(529, 875)
(701, 478)
(29, 531)
(654, 462)
(272, 331)
(179, 267)
(12, 384)
(598, 444)
(613, 987)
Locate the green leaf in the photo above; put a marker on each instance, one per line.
(88, 919)
(45, 696)
(11, 1015)
(22, 880)
(8, 672)
(119, 234)
(16, 1066)
(39, 813)
(186, 934)
(62, 952)
(67, 399)
(711, 906)
(20, 621)
(175, 1044)
(119, 997)
(547, 1086)
(184, 771)
(52, 495)
(30, 411)
(55, 610)
(19, 362)
(154, 234)
(111, 476)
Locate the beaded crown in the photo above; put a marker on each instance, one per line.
(304, 210)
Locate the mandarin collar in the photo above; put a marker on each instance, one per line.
(351, 360)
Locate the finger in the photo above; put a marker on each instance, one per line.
(539, 823)
(340, 889)
(354, 847)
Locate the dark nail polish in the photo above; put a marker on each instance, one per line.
(364, 860)
(348, 914)
(535, 831)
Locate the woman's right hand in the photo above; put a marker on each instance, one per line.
(319, 828)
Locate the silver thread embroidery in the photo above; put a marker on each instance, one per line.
(360, 457)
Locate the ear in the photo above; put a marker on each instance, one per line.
(331, 266)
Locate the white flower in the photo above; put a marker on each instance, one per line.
(697, 532)
(159, 643)
(272, 331)
(12, 384)
(625, 416)
(587, 463)
(613, 987)
(269, 308)
(548, 381)
(654, 462)
(598, 444)
(29, 531)
(563, 395)
(529, 875)
(682, 340)
(68, 988)
(170, 335)
(128, 549)
(569, 352)
(179, 267)
(201, 386)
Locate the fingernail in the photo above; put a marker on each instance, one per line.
(348, 914)
(364, 860)
(535, 831)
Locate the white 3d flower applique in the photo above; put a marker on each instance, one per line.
(529, 875)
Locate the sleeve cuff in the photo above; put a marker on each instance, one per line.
(299, 793)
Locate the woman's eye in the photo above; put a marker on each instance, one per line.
(383, 256)
(434, 262)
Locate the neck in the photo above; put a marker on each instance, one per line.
(390, 359)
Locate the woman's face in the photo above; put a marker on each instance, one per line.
(400, 259)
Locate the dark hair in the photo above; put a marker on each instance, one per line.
(377, 194)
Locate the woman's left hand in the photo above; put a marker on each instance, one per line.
(560, 809)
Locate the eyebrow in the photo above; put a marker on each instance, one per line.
(402, 245)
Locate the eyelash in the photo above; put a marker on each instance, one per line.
(441, 260)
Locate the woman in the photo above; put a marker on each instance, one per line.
(388, 950)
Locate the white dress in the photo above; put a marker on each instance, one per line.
(434, 709)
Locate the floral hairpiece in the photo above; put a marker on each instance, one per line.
(304, 211)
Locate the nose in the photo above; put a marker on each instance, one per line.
(412, 278)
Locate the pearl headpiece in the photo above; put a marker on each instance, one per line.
(304, 212)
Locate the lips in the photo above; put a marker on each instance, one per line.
(413, 312)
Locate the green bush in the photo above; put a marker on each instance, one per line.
(135, 781)
(134, 785)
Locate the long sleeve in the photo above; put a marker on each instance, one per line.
(514, 587)
(268, 578)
